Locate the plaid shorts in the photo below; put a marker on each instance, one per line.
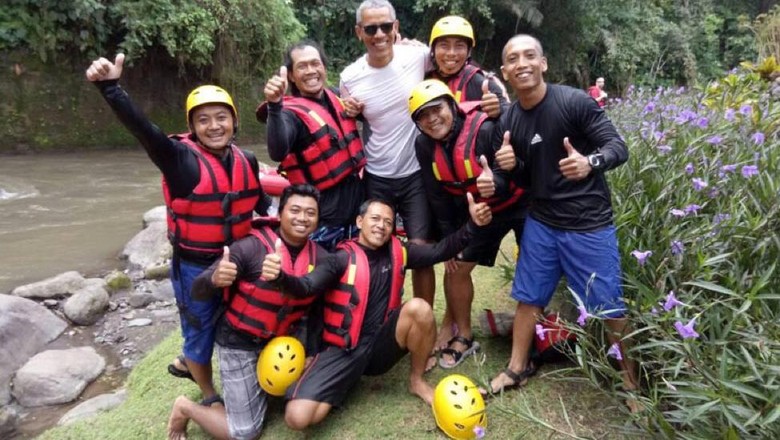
(245, 401)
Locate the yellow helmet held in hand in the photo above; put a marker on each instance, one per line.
(210, 94)
(425, 92)
(452, 26)
(458, 407)
(280, 364)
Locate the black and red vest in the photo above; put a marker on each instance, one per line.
(345, 306)
(260, 309)
(336, 151)
(219, 209)
(457, 171)
(459, 83)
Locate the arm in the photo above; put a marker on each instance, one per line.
(246, 254)
(424, 255)
(601, 135)
(263, 201)
(324, 277)
(438, 198)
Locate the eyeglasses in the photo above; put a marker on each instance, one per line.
(371, 29)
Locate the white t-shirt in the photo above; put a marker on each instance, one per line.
(385, 95)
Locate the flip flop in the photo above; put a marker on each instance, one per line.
(518, 380)
(176, 372)
(472, 347)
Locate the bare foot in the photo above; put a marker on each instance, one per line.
(177, 422)
(433, 360)
(421, 389)
(446, 332)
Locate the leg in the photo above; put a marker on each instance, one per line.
(245, 402)
(522, 337)
(299, 414)
(211, 418)
(459, 291)
(415, 332)
(424, 283)
(203, 374)
(418, 222)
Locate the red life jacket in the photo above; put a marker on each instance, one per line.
(336, 152)
(260, 309)
(219, 210)
(458, 174)
(345, 306)
(459, 83)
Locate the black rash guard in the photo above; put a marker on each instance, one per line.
(537, 138)
(286, 132)
(474, 88)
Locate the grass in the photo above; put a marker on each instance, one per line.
(379, 407)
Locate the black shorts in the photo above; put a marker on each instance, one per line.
(334, 371)
(484, 245)
(407, 194)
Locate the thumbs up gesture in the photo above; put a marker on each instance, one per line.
(574, 166)
(485, 184)
(489, 104)
(225, 273)
(505, 156)
(102, 69)
(480, 212)
(276, 87)
(272, 264)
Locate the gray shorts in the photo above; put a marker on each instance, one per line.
(245, 401)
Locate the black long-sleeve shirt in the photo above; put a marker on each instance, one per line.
(474, 88)
(537, 139)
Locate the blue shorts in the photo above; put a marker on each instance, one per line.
(329, 236)
(546, 253)
(196, 317)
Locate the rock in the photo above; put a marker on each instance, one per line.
(51, 303)
(139, 322)
(116, 281)
(164, 313)
(93, 406)
(25, 328)
(112, 306)
(96, 282)
(148, 248)
(140, 299)
(156, 214)
(159, 272)
(8, 419)
(61, 285)
(56, 376)
(87, 305)
(163, 291)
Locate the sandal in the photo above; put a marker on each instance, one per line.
(177, 372)
(518, 380)
(471, 347)
(216, 398)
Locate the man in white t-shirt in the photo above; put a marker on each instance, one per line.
(378, 85)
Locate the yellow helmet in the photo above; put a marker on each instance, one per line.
(452, 26)
(458, 407)
(425, 92)
(280, 364)
(210, 95)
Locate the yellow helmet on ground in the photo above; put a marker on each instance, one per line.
(458, 407)
(280, 364)
(425, 92)
(210, 95)
(452, 26)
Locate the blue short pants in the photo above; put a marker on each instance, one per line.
(329, 236)
(196, 317)
(546, 253)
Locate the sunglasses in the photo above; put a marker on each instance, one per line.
(372, 28)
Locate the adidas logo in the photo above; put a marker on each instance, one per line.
(536, 139)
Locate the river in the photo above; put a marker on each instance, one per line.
(72, 211)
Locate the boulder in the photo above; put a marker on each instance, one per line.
(8, 419)
(61, 285)
(156, 214)
(87, 305)
(116, 281)
(25, 328)
(93, 406)
(150, 247)
(56, 376)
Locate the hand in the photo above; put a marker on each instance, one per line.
(451, 265)
(103, 70)
(225, 273)
(276, 87)
(272, 264)
(575, 166)
(603, 95)
(480, 212)
(505, 156)
(489, 102)
(485, 184)
(352, 107)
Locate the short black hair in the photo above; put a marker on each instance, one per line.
(364, 206)
(301, 189)
(288, 62)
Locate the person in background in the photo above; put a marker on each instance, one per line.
(597, 92)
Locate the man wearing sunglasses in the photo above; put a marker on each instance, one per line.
(378, 86)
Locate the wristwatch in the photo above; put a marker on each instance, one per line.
(596, 161)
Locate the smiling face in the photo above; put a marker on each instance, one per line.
(436, 120)
(451, 54)
(376, 225)
(524, 66)
(308, 71)
(213, 126)
(379, 46)
(298, 219)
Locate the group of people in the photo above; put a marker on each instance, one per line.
(413, 131)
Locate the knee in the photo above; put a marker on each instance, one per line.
(296, 417)
(419, 311)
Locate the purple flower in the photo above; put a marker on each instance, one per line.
(677, 247)
(758, 138)
(720, 218)
(746, 110)
(689, 168)
(729, 116)
(650, 107)
(692, 208)
(540, 331)
(658, 135)
(654, 311)
(479, 431)
(686, 331)
(714, 140)
(671, 301)
(713, 193)
(685, 116)
(728, 168)
(679, 213)
(680, 90)
(584, 315)
(749, 171)
(614, 351)
(641, 256)
(698, 184)
(664, 149)
(702, 122)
